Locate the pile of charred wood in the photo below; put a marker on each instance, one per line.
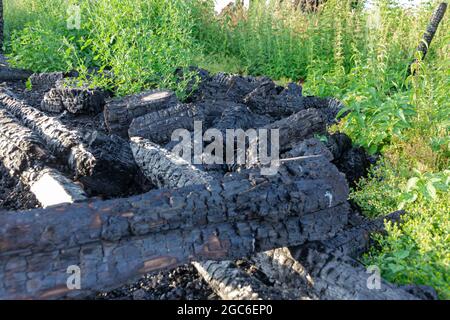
(83, 176)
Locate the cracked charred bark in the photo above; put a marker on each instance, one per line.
(104, 164)
(299, 126)
(223, 86)
(428, 36)
(120, 112)
(117, 240)
(337, 276)
(58, 138)
(328, 267)
(279, 102)
(232, 283)
(24, 156)
(228, 281)
(73, 98)
(159, 126)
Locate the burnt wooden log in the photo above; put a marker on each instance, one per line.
(429, 34)
(58, 138)
(25, 139)
(230, 282)
(117, 240)
(163, 168)
(238, 116)
(238, 197)
(227, 280)
(284, 271)
(349, 279)
(120, 112)
(45, 81)
(273, 100)
(299, 126)
(223, 86)
(106, 264)
(13, 74)
(24, 156)
(104, 164)
(337, 276)
(160, 125)
(76, 99)
(355, 240)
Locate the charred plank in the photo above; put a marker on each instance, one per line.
(120, 112)
(13, 74)
(58, 138)
(22, 154)
(160, 125)
(42, 274)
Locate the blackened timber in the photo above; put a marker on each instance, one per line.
(231, 283)
(28, 141)
(76, 99)
(429, 34)
(273, 100)
(103, 163)
(327, 270)
(37, 272)
(338, 276)
(297, 189)
(163, 168)
(299, 126)
(57, 137)
(159, 126)
(120, 112)
(238, 116)
(224, 277)
(13, 74)
(22, 154)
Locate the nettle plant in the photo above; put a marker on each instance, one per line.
(426, 185)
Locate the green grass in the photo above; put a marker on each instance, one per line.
(340, 51)
(139, 43)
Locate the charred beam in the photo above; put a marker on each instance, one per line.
(40, 272)
(160, 125)
(24, 156)
(58, 138)
(13, 74)
(120, 112)
(429, 34)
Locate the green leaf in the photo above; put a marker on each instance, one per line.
(373, 149)
(396, 268)
(412, 183)
(431, 190)
(401, 254)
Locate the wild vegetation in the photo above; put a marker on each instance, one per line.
(356, 53)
